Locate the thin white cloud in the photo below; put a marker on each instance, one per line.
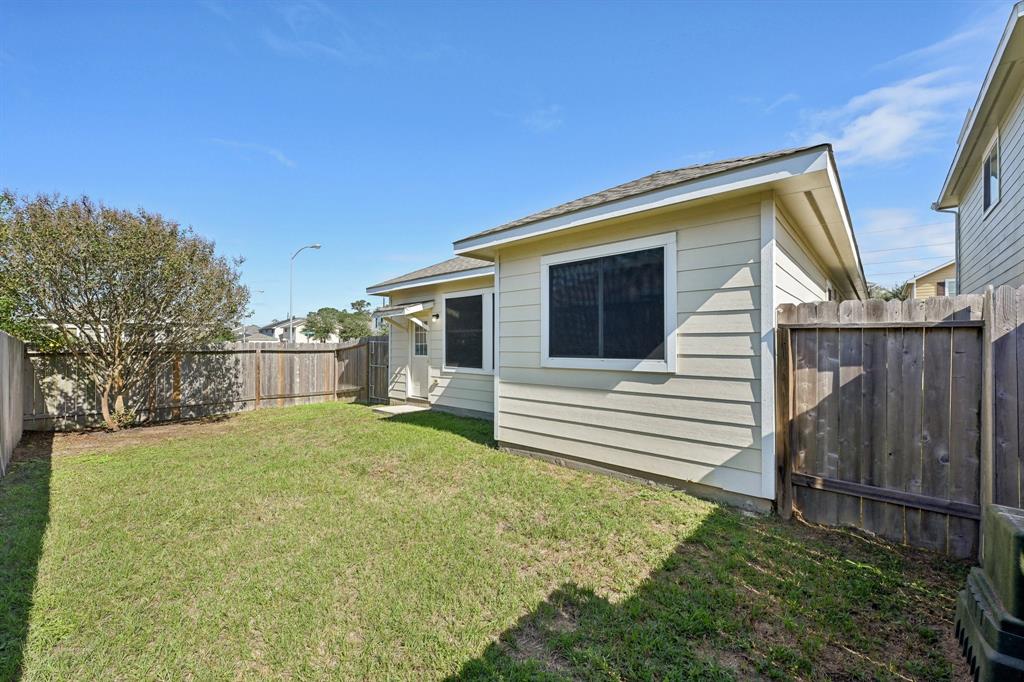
(272, 152)
(895, 121)
(778, 102)
(981, 33)
(313, 29)
(544, 119)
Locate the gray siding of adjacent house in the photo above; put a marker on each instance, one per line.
(992, 245)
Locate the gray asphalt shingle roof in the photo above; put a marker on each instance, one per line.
(648, 183)
(450, 266)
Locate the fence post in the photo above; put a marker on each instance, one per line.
(176, 387)
(784, 412)
(985, 468)
(335, 373)
(256, 372)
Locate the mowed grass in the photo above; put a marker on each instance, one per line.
(325, 542)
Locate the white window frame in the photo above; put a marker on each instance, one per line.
(416, 331)
(994, 144)
(945, 284)
(665, 366)
(488, 321)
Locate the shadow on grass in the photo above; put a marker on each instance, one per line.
(24, 515)
(746, 598)
(477, 430)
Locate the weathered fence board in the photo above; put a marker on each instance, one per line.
(871, 428)
(903, 418)
(233, 377)
(12, 356)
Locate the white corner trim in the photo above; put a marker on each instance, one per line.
(496, 330)
(433, 279)
(808, 161)
(488, 341)
(665, 366)
(768, 304)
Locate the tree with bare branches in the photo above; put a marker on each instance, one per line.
(125, 291)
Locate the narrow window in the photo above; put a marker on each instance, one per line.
(609, 307)
(464, 332)
(991, 176)
(420, 341)
(950, 287)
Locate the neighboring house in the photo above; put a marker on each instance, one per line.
(633, 329)
(985, 183)
(940, 281)
(251, 333)
(278, 330)
(423, 367)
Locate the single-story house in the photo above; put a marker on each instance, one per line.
(633, 330)
(985, 182)
(277, 330)
(940, 281)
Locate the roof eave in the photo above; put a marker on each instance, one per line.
(384, 289)
(747, 177)
(948, 197)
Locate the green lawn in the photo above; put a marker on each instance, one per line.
(326, 542)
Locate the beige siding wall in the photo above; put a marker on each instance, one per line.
(799, 278)
(700, 424)
(992, 246)
(455, 390)
(926, 286)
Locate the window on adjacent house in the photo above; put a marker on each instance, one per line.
(468, 343)
(608, 307)
(991, 173)
(950, 287)
(420, 341)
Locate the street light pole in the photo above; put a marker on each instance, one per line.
(291, 278)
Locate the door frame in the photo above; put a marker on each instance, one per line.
(414, 324)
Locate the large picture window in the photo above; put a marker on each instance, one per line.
(611, 307)
(468, 323)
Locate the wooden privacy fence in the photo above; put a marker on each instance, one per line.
(233, 377)
(12, 354)
(903, 417)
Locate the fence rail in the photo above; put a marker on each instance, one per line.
(902, 417)
(233, 377)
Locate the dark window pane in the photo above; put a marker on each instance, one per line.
(634, 305)
(573, 309)
(464, 332)
(608, 307)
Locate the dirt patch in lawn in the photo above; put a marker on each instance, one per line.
(40, 444)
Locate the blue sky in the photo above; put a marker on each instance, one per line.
(386, 131)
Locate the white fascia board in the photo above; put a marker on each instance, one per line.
(433, 279)
(775, 170)
(848, 235)
(945, 201)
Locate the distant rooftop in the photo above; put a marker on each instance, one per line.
(448, 267)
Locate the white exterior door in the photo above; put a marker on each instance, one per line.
(419, 362)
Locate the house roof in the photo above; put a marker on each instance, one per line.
(277, 323)
(804, 180)
(648, 183)
(453, 268)
(1003, 83)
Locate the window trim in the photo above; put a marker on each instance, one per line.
(993, 144)
(666, 366)
(945, 284)
(416, 331)
(487, 301)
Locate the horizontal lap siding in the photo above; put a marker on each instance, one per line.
(798, 277)
(457, 390)
(927, 286)
(992, 246)
(700, 424)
